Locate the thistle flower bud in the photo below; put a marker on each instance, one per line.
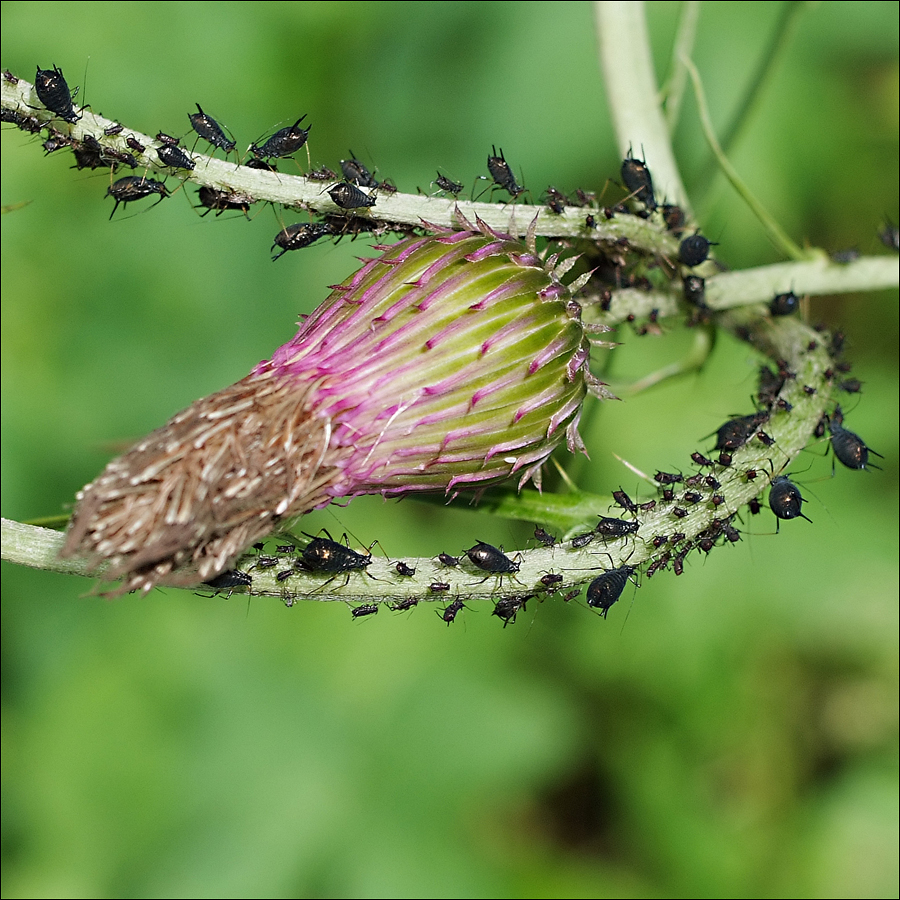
(450, 362)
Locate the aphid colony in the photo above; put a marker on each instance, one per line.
(357, 190)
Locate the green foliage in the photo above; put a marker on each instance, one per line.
(736, 737)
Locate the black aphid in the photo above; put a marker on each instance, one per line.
(551, 579)
(606, 589)
(502, 173)
(220, 201)
(448, 560)
(784, 304)
(544, 537)
(132, 142)
(367, 609)
(284, 575)
(557, 201)
(701, 460)
(9, 77)
(438, 587)
(736, 432)
(320, 174)
(507, 608)
(695, 290)
(615, 528)
(694, 250)
(582, 540)
(31, 124)
(668, 494)
(679, 513)
(174, 157)
(785, 499)
(447, 184)
(674, 218)
(402, 605)
(298, 236)
(637, 180)
(54, 93)
(115, 128)
(323, 555)
(167, 139)
(230, 578)
(491, 559)
(754, 506)
(623, 500)
(285, 142)
(348, 196)
(850, 385)
(692, 497)
(765, 439)
(405, 570)
(356, 173)
(668, 477)
(449, 613)
(210, 130)
(848, 447)
(131, 188)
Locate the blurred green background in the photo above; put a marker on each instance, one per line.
(736, 736)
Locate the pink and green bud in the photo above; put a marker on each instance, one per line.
(450, 362)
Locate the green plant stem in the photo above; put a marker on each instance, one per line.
(776, 233)
(682, 48)
(396, 211)
(627, 66)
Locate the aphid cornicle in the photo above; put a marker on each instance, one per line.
(849, 447)
(210, 130)
(54, 93)
(606, 589)
(785, 499)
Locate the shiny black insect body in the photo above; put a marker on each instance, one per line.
(502, 173)
(131, 188)
(31, 124)
(692, 497)
(321, 174)
(220, 201)
(693, 250)
(492, 559)
(679, 513)
(448, 560)
(367, 609)
(668, 478)
(695, 290)
(507, 609)
(115, 128)
(348, 196)
(701, 460)
(210, 130)
(557, 201)
(325, 556)
(674, 218)
(449, 613)
(637, 180)
(544, 537)
(402, 605)
(438, 587)
(582, 540)
(754, 506)
(167, 139)
(405, 570)
(736, 432)
(609, 527)
(606, 589)
(551, 579)
(785, 499)
(298, 236)
(765, 439)
(284, 575)
(54, 93)
(448, 185)
(623, 500)
(356, 173)
(784, 304)
(285, 142)
(231, 578)
(174, 157)
(848, 447)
